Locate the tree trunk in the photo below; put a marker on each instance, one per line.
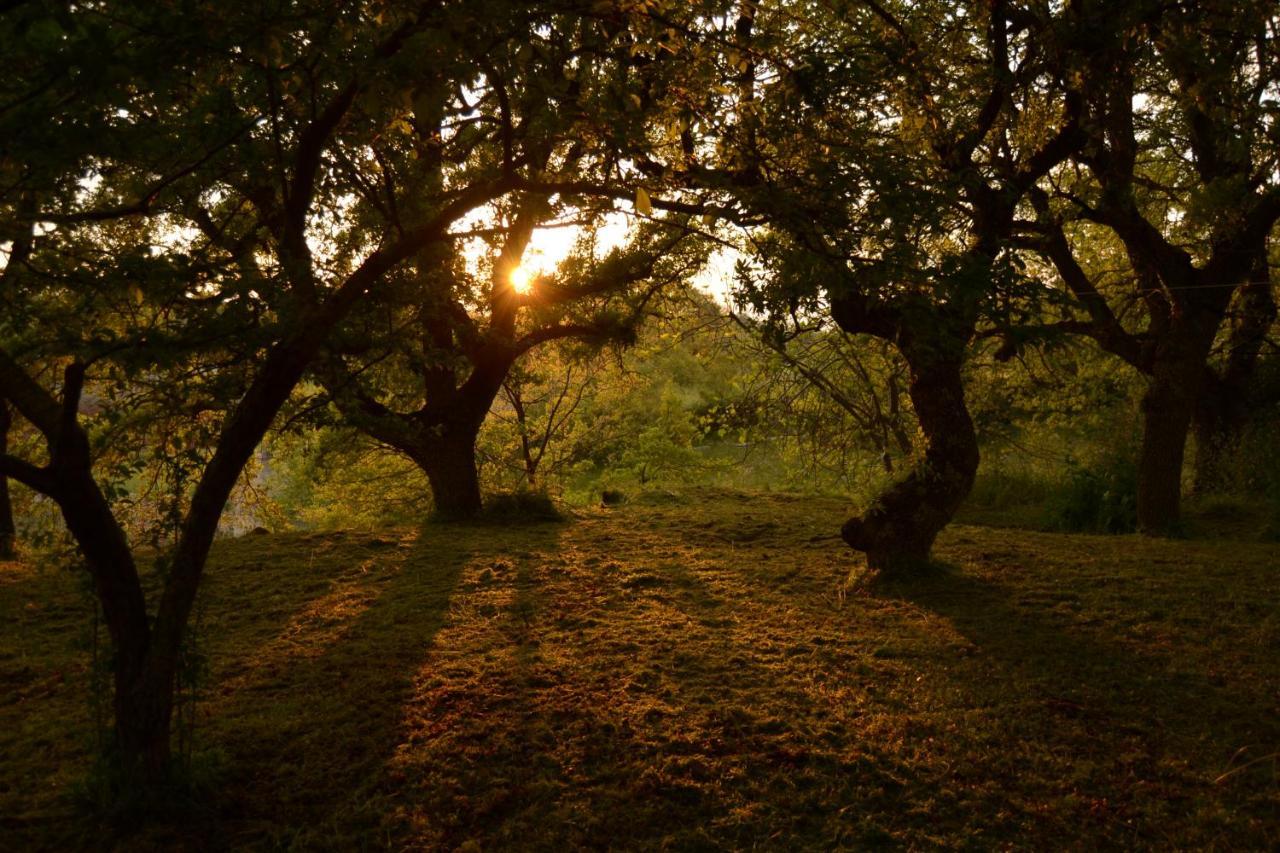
(449, 462)
(143, 713)
(1217, 424)
(8, 533)
(1168, 407)
(143, 698)
(1166, 419)
(898, 532)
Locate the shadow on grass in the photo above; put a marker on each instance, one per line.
(1057, 653)
(623, 707)
(1123, 723)
(308, 719)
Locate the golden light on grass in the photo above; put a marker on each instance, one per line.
(521, 280)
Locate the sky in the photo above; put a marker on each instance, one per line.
(549, 246)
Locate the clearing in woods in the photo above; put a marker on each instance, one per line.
(688, 671)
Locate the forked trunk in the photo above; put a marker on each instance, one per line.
(898, 532)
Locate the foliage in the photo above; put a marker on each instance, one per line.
(334, 479)
(520, 507)
(1100, 498)
(218, 219)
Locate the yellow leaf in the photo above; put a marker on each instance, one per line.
(643, 205)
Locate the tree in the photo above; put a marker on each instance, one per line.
(421, 373)
(843, 396)
(874, 162)
(274, 109)
(541, 408)
(1231, 397)
(453, 342)
(1179, 170)
(889, 186)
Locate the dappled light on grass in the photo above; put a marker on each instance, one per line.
(14, 571)
(695, 672)
(692, 677)
(347, 572)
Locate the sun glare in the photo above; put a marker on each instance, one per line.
(521, 280)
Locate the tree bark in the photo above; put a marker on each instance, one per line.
(1168, 407)
(143, 709)
(8, 532)
(143, 681)
(898, 532)
(1217, 424)
(1166, 419)
(449, 462)
(440, 437)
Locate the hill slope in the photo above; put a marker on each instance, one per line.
(694, 673)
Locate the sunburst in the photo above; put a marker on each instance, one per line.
(521, 280)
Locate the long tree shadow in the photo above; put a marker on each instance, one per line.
(1074, 692)
(1070, 660)
(619, 701)
(308, 723)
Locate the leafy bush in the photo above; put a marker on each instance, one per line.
(1005, 488)
(1097, 498)
(520, 507)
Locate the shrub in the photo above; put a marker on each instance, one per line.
(1097, 498)
(521, 507)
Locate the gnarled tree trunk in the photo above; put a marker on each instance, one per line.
(898, 532)
(440, 437)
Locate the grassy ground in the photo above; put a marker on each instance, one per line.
(692, 673)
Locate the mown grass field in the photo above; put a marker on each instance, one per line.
(688, 673)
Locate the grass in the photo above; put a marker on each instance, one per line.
(694, 673)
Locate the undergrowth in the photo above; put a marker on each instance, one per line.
(520, 507)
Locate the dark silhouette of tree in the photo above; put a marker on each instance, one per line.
(241, 128)
(1179, 170)
(450, 346)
